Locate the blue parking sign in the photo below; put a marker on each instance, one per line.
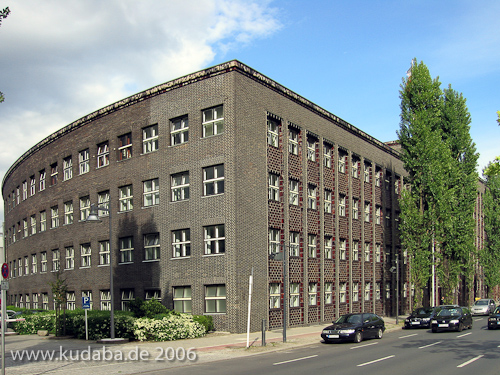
(86, 302)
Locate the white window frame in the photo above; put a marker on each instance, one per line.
(367, 212)
(126, 250)
(32, 186)
(378, 214)
(151, 192)
(342, 292)
(274, 295)
(274, 187)
(182, 298)
(127, 296)
(342, 158)
(312, 194)
(103, 154)
(70, 257)
(273, 133)
(83, 161)
(215, 244)
(377, 291)
(355, 292)
(312, 293)
(355, 168)
(181, 243)
(54, 217)
(33, 224)
(342, 249)
(294, 192)
(84, 208)
(70, 301)
(342, 204)
(327, 156)
(355, 250)
(293, 141)
(126, 196)
(104, 253)
(328, 202)
(41, 179)
(294, 238)
(179, 130)
(25, 190)
(328, 247)
(180, 186)
(274, 237)
(366, 251)
(294, 296)
(355, 208)
(67, 168)
(103, 202)
(34, 264)
(366, 173)
(311, 246)
(43, 262)
(311, 150)
(150, 139)
(85, 255)
(367, 290)
(151, 246)
(125, 146)
(378, 253)
(213, 121)
(68, 212)
(105, 302)
(215, 299)
(56, 260)
(213, 180)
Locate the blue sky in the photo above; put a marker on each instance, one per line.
(62, 59)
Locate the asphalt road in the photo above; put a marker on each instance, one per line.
(409, 352)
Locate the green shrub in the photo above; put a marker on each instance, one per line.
(153, 307)
(206, 321)
(35, 322)
(172, 327)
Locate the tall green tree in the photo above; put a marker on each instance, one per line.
(3, 14)
(493, 167)
(490, 254)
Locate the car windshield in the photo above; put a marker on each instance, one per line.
(356, 319)
(449, 312)
(422, 311)
(481, 302)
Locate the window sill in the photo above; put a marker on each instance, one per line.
(176, 258)
(103, 265)
(150, 260)
(84, 267)
(122, 263)
(212, 255)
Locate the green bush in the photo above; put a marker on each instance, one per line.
(35, 322)
(206, 321)
(172, 327)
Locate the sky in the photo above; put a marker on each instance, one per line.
(63, 59)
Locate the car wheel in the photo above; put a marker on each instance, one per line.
(460, 327)
(490, 327)
(358, 337)
(470, 326)
(380, 333)
(434, 330)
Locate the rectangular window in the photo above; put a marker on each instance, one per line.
(215, 240)
(43, 221)
(274, 187)
(126, 198)
(312, 292)
(180, 186)
(342, 249)
(84, 208)
(274, 241)
(366, 173)
(70, 301)
(311, 246)
(213, 180)
(35, 301)
(355, 250)
(341, 205)
(125, 146)
(152, 246)
(367, 291)
(294, 244)
(367, 251)
(103, 202)
(53, 174)
(43, 262)
(34, 264)
(54, 217)
(126, 250)
(56, 260)
(152, 294)
(367, 212)
(294, 295)
(328, 293)
(151, 195)
(104, 253)
(25, 190)
(83, 161)
(342, 292)
(150, 139)
(378, 214)
(377, 290)
(68, 212)
(311, 149)
(183, 299)
(88, 294)
(86, 254)
(32, 186)
(328, 248)
(26, 266)
(213, 121)
(355, 208)
(70, 258)
(179, 130)
(378, 253)
(311, 197)
(328, 201)
(294, 192)
(327, 156)
(215, 299)
(67, 168)
(128, 296)
(45, 301)
(181, 243)
(293, 141)
(25, 228)
(342, 158)
(274, 295)
(20, 267)
(272, 133)
(355, 292)
(105, 300)
(102, 154)
(355, 168)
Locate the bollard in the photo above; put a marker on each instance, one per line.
(263, 332)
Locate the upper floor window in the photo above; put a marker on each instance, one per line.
(43, 261)
(355, 208)
(378, 177)
(311, 246)
(342, 249)
(179, 132)
(213, 121)
(366, 173)
(272, 133)
(213, 180)
(151, 192)
(32, 186)
(54, 217)
(274, 187)
(83, 161)
(328, 292)
(70, 257)
(274, 241)
(126, 198)
(68, 212)
(367, 212)
(180, 186)
(67, 168)
(53, 174)
(103, 202)
(355, 168)
(328, 248)
(294, 244)
(341, 204)
(181, 243)
(150, 139)
(328, 201)
(84, 208)
(342, 159)
(56, 260)
(355, 250)
(293, 141)
(25, 190)
(104, 253)
(33, 224)
(126, 250)
(151, 246)
(294, 192)
(125, 146)
(102, 154)
(311, 196)
(327, 156)
(43, 221)
(274, 295)
(311, 149)
(312, 293)
(215, 239)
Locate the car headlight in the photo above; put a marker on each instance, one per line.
(492, 319)
(347, 331)
(434, 321)
(454, 321)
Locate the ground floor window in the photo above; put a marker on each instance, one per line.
(127, 297)
(215, 298)
(182, 299)
(294, 294)
(274, 295)
(105, 300)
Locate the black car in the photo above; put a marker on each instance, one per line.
(421, 317)
(354, 327)
(452, 318)
(494, 319)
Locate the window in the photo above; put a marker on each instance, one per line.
(311, 245)
(84, 208)
(327, 156)
(180, 186)
(367, 251)
(274, 295)
(88, 294)
(342, 157)
(377, 290)
(70, 258)
(294, 294)
(213, 121)
(45, 301)
(293, 141)
(105, 300)
(150, 139)
(126, 198)
(27, 301)
(343, 249)
(294, 192)
(32, 186)
(367, 212)
(179, 131)
(68, 212)
(378, 177)
(86, 253)
(67, 168)
(328, 293)
(342, 292)
(311, 149)
(25, 228)
(378, 214)
(54, 217)
(215, 240)
(152, 294)
(294, 244)
(151, 246)
(127, 297)
(378, 253)
(274, 187)
(83, 161)
(366, 173)
(43, 221)
(313, 294)
(35, 301)
(387, 290)
(43, 262)
(355, 208)
(328, 201)
(272, 133)
(182, 299)
(151, 193)
(56, 260)
(53, 174)
(126, 250)
(274, 241)
(25, 190)
(355, 168)
(20, 267)
(311, 196)
(34, 264)
(328, 248)
(355, 250)
(103, 202)
(70, 301)
(102, 154)
(104, 253)
(181, 243)
(125, 146)
(213, 180)
(367, 291)
(355, 292)
(341, 204)
(215, 298)
(26, 266)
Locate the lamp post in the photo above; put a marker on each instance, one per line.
(94, 218)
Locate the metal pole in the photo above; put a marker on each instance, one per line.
(111, 292)
(263, 341)
(285, 294)
(250, 281)
(397, 288)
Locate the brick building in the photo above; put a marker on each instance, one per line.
(208, 176)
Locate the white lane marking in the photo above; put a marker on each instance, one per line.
(375, 361)
(295, 360)
(403, 337)
(362, 346)
(470, 361)
(426, 346)
(465, 334)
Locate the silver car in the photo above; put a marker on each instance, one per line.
(483, 306)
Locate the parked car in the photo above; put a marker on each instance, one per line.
(452, 318)
(354, 327)
(494, 319)
(483, 306)
(421, 317)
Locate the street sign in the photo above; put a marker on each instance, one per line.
(4, 285)
(5, 270)
(86, 302)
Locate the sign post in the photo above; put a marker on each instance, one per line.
(86, 306)
(3, 302)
